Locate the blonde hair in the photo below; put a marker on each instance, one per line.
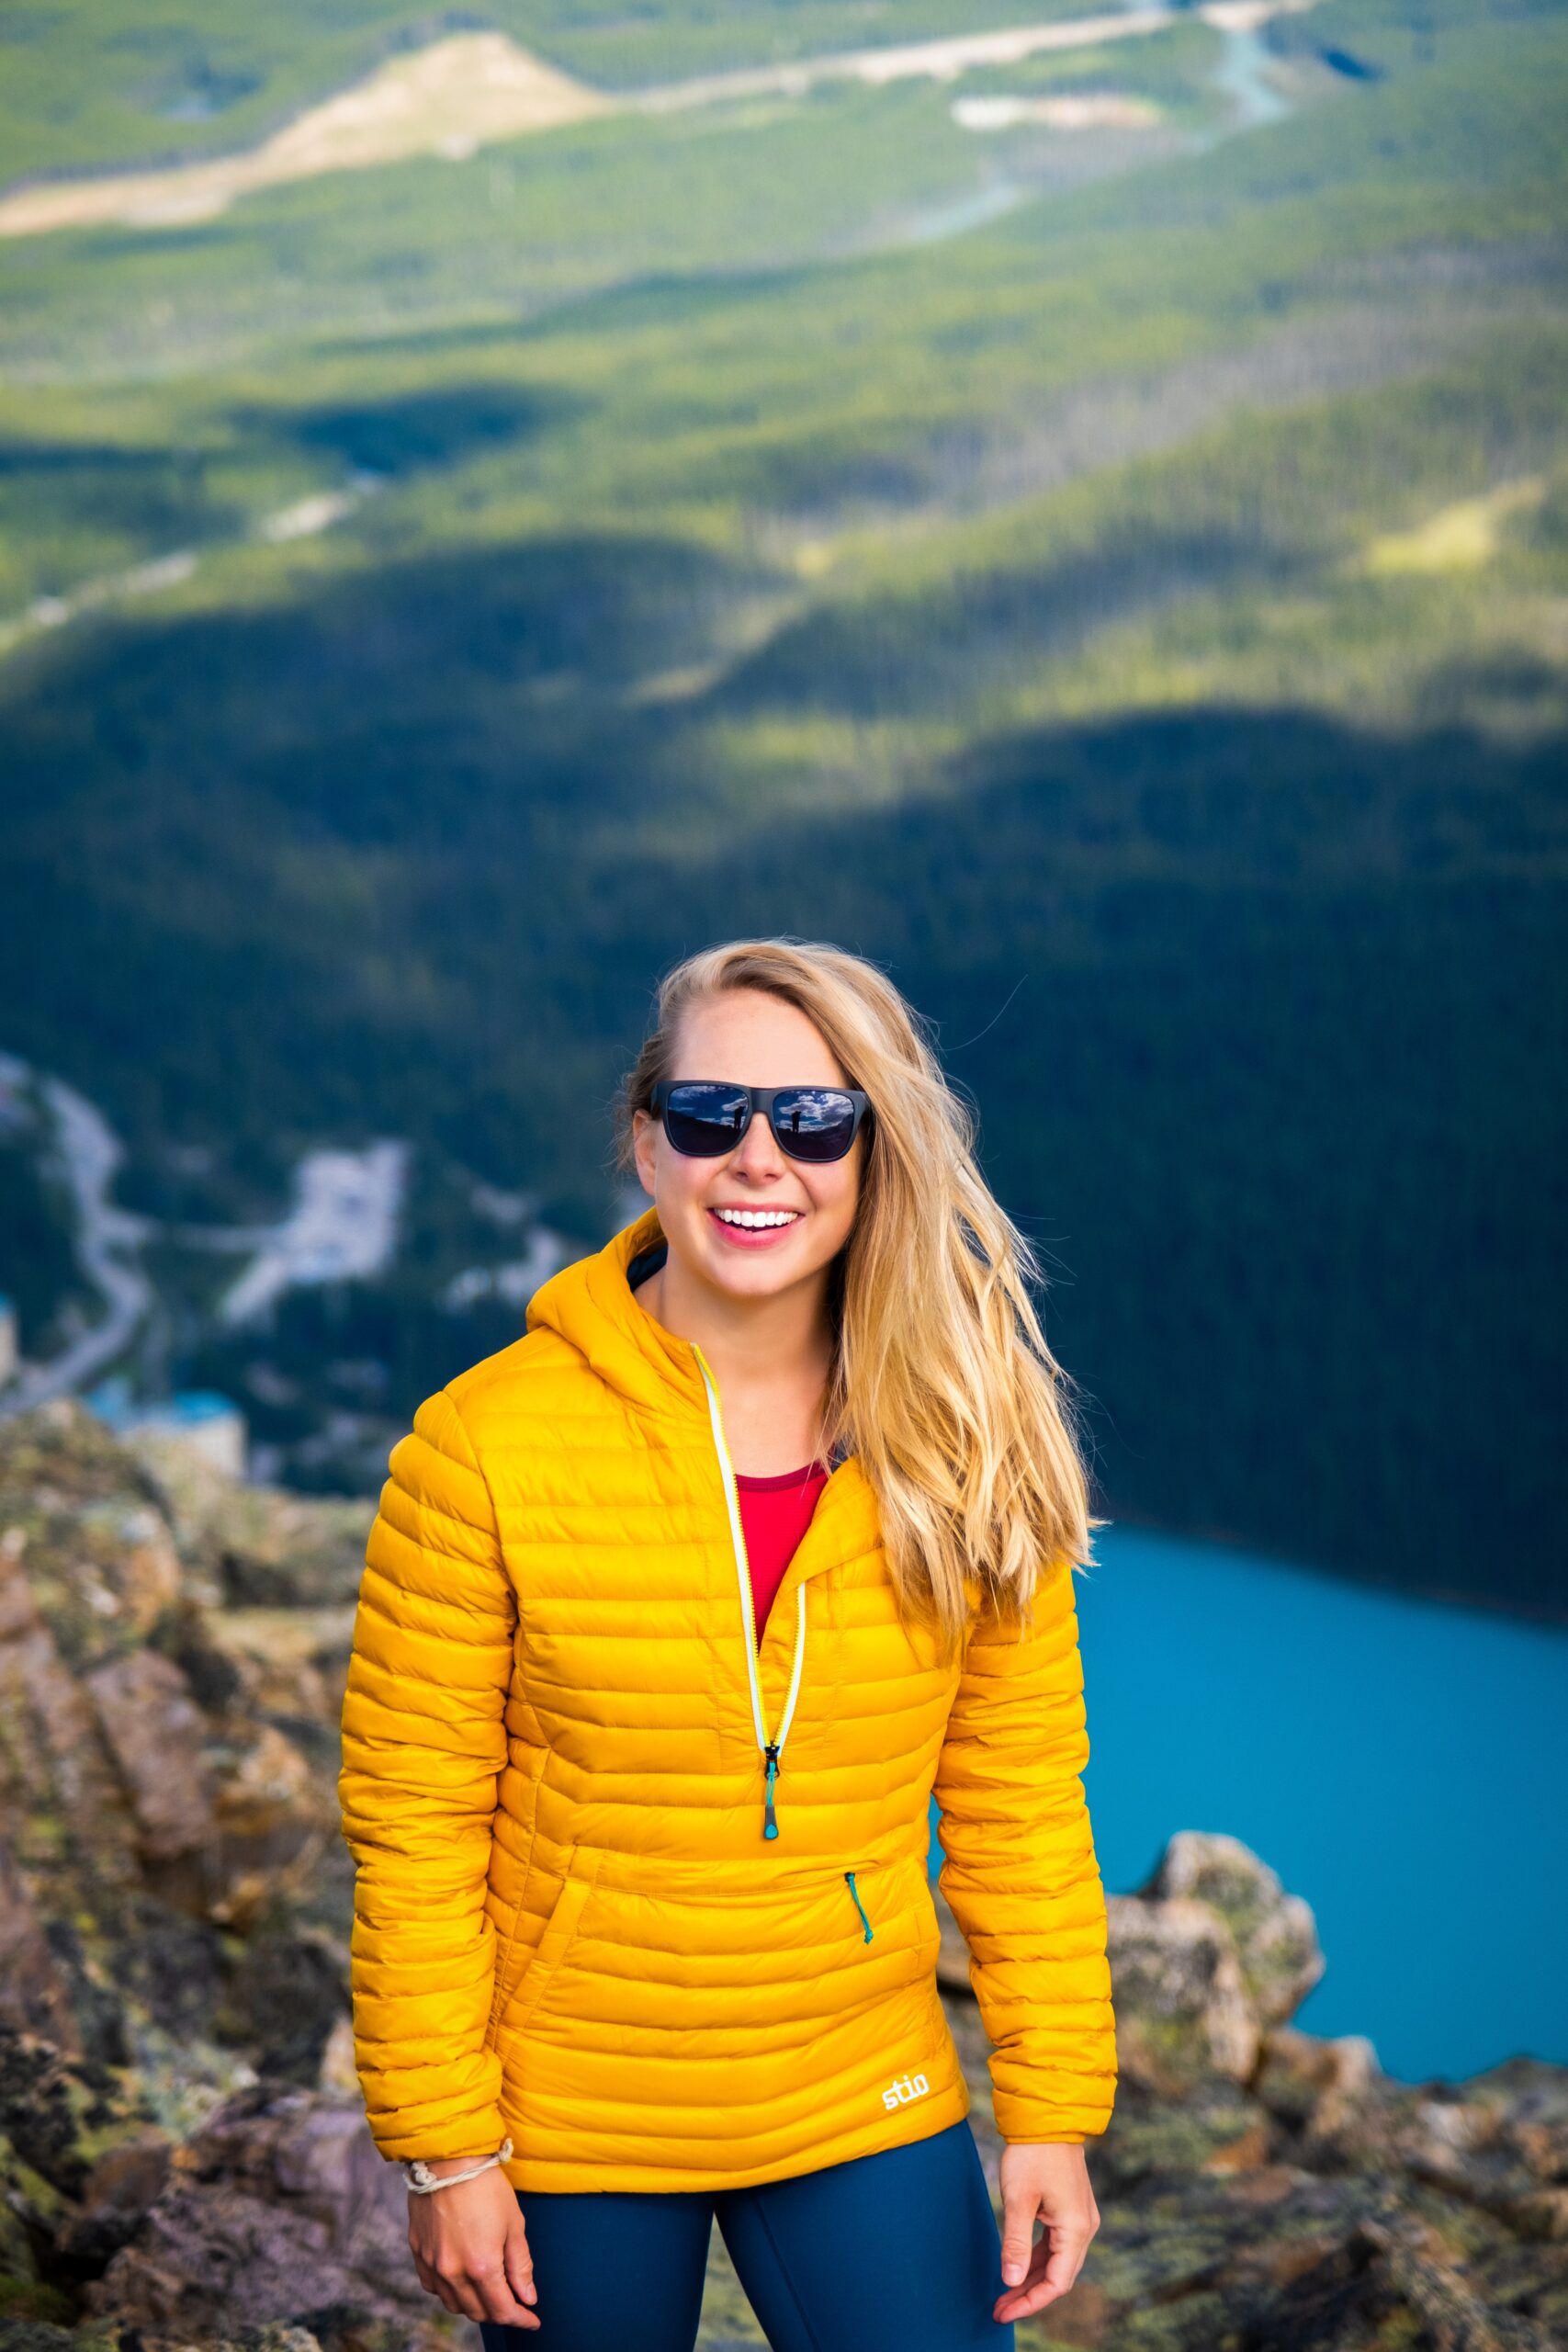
(943, 1382)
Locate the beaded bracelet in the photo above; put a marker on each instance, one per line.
(425, 2183)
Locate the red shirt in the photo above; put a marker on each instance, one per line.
(774, 1515)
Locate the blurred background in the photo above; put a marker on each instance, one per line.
(1074, 507)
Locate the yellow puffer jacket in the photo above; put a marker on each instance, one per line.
(570, 1928)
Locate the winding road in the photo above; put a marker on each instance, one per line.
(108, 1241)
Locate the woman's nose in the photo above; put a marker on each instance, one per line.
(757, 1152)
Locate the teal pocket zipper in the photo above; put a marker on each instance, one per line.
(860, 1906)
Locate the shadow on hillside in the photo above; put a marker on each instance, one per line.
(101, 488)
(414, 431)
(395, 705)
(856, 660)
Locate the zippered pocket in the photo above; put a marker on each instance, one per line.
(508, 1958)
(860, 1906)
(582, 1869)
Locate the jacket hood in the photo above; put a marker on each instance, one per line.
(591, 1305)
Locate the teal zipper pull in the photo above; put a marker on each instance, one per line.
(860, 1906)
(770, 1819)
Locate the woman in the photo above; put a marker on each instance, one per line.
(644, 1933)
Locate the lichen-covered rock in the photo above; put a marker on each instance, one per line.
(155, 1808)
(157, 1735)
(67, 1814)
(170, 1876)
(278, 2210)
(1204, 1959)
(1274, 1933)
(266, 1548)
(1318, 2092)
(1183, 2010)
(82, 2159)
(34, 1996)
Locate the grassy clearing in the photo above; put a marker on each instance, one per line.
(447, 99)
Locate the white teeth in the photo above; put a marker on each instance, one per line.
(757, 1216)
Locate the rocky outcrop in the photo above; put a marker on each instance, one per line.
(183, 2156)
(1263, 2191)
(279, 2205)
(174, 1894)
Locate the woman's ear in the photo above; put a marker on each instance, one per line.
(644, 1148)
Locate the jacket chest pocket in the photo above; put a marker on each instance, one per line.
(582, 1869)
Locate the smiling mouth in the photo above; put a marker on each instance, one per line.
(756, 1220)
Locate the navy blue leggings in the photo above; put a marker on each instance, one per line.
(896, 2252)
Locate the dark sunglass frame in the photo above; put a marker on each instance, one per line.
(767, 1100)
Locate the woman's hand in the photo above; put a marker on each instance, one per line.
(1048, 2178)
(470, 2248)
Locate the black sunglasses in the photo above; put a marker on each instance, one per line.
(706, 1117)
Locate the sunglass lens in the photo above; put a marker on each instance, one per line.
(704, 1121)
(814, 1123)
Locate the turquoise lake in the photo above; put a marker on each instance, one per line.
(1402, 1764)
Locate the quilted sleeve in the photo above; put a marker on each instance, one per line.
(423, 1741)
(1020, 1874)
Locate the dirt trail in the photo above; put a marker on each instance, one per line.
(464, 91)
(944, 61)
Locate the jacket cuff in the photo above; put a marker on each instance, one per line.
(434, 2133)
(1019, 2117)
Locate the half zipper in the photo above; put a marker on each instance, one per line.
(771, 1748)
